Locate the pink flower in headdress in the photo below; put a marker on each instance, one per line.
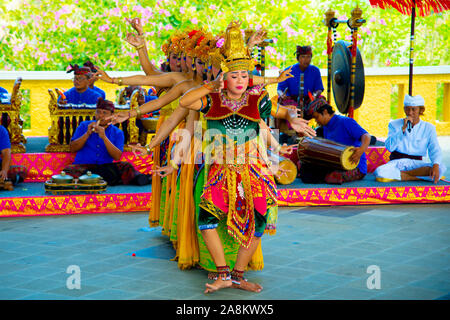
(383, 22)
(212, 7)
(194, 20)
(220, 42)
(182, 10)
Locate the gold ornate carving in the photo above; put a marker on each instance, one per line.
(14, 120)
(65, 121)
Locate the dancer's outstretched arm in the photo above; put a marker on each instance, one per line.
(140, 44)
(163, 80)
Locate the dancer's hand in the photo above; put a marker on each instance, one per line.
(285, 149)
(286, 74)
(118, 118)
(138, 150)
(281, 172)
(134, 39)
(256, 38)
(136, 24)
(102, 75)
(218, 83)
(164, 171)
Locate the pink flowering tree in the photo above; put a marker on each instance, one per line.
(49, 34)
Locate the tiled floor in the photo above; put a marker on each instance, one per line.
(317, 253)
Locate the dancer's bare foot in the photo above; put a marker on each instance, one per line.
(247, 286)
(217, 285)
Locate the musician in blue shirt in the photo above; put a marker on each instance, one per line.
(342, 130)
(98, 145)
(80, 93)
(15, 173)
(312, 80)
(305, 76)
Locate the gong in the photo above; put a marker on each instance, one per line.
(341, 63)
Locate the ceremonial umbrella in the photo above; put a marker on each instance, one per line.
(408, 7)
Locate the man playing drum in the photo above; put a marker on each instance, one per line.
(342, 130)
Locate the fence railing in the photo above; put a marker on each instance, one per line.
(383, 97)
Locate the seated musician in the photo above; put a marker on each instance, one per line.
(97, 145)
(342, 130)
(409, 139)
(92, 79)
(15, 174)
(80, 93)
(305, 76)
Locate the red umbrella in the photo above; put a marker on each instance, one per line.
(409, 7)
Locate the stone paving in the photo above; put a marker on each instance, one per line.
(400, 251)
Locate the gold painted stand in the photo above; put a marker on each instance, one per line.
(11, 120)
(65, 121)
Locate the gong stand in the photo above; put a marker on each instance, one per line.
(353, 23)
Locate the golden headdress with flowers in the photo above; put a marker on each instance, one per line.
(235, 54)
(203, 46)
(172, 45)
(190, 41)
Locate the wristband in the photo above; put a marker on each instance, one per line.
(140, 47)
(208, 86)
(147, 147)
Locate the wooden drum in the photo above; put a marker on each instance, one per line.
(285, 164)
(326, 152)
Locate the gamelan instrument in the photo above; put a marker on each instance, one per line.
(287, 171)
(326, 153)
(64, 183)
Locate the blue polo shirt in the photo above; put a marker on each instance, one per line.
(5, 143)
(90, 96)
(312, 81)
(100, 91)
(94, 150)
(346, 131)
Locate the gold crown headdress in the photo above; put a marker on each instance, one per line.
(215, 53)
(235, 52)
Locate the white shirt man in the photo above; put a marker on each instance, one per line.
(410, 139)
